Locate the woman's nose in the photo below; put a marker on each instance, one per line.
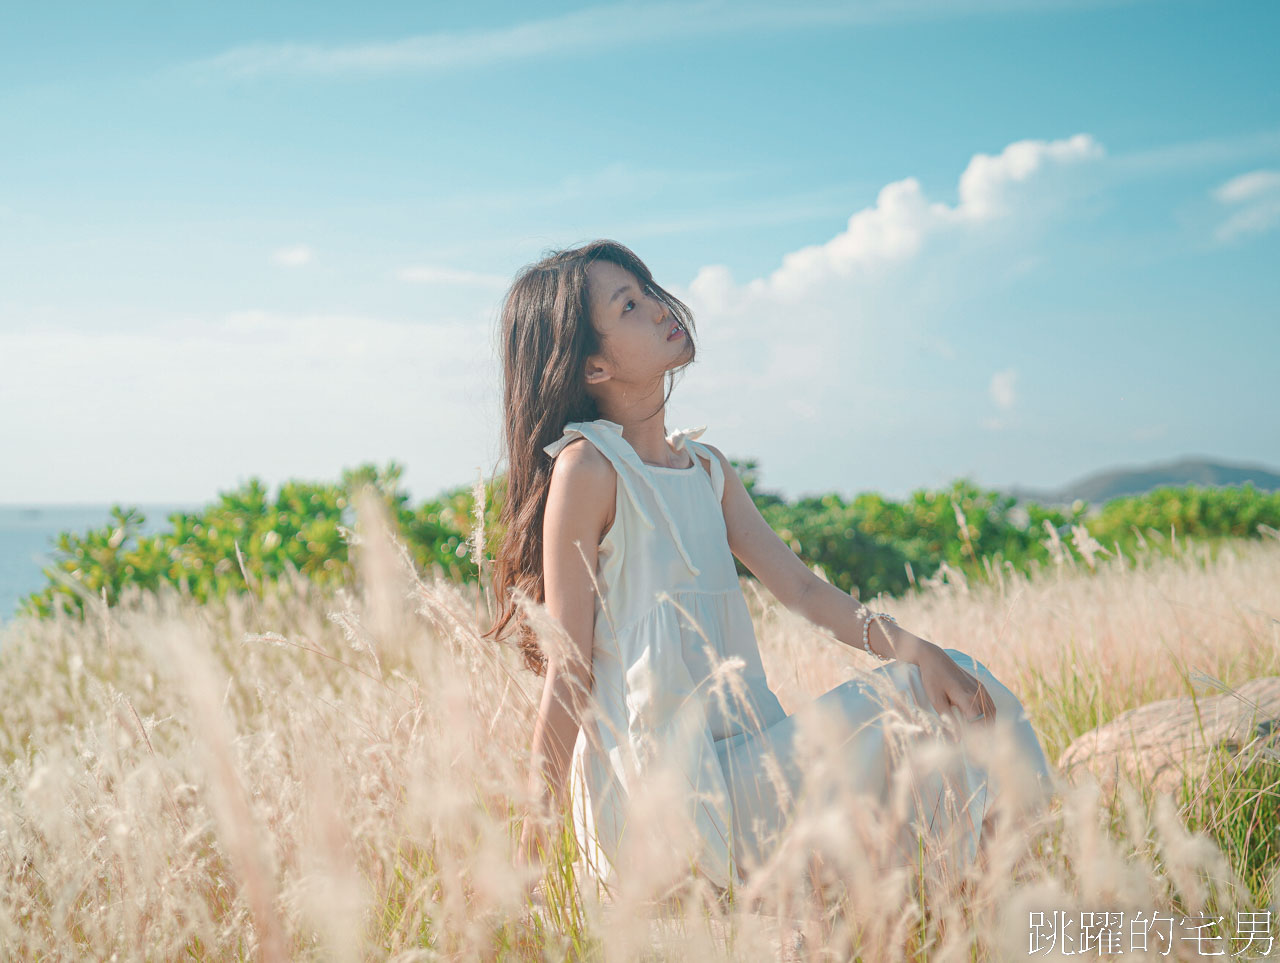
(663, 312)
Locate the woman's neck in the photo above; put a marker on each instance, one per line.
(642, 427)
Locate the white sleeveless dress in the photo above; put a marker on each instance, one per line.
(669, 609)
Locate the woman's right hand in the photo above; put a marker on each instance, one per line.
(952, 690)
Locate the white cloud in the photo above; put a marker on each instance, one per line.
(1188, 155)
(593, 28)
(1248, 187)
(1003, 388)
(902, 220)
(295, 256)
(431, 274)
(1256, 197)
(861, 328)
(209, 402)
(988, 186)
(807, 367)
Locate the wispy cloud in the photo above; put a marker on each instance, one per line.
(1255, 197)
(1248, 187)
(1205, 152)
(250, 379)
(827, 328)
(1003, 388)
(431, 274)
(295, 256)
(897, 226)
(590, 28)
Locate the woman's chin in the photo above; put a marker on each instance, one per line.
(686, 353)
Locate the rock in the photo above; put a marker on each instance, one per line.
(1154, 744)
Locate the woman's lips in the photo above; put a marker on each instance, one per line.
(677, 333)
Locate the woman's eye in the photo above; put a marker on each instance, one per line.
(628, 306)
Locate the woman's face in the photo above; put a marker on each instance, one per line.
(640, 338)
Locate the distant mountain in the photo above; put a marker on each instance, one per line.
(1100, 487)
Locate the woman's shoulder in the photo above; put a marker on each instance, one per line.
(579, 459)
(583, 487)
(581, 470)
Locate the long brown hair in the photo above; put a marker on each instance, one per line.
(546, 338)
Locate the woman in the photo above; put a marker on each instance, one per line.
(628, 536)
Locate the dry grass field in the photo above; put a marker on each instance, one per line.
(343, 778)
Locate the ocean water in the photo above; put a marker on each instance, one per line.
(27, 536)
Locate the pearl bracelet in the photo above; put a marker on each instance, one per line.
(866, 631)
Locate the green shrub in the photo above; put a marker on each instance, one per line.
(299, 530)
(867, 546)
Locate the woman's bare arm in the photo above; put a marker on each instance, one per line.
(579, 508)
(794, 585)
(947, 686)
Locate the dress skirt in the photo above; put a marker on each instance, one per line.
(877, 739)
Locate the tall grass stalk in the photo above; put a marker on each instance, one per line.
(306, 775)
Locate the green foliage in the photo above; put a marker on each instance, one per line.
(872, 545)
(300, 530)
(867, 545)
(1193, 511)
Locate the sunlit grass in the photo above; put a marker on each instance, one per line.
(312, 776)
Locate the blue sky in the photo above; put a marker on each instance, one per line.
(1013, 240)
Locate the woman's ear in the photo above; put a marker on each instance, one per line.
(597, 370)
